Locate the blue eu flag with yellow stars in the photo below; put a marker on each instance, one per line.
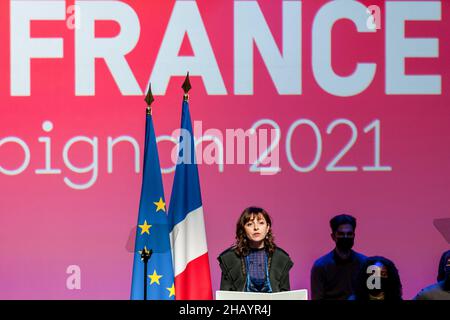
(152, 232)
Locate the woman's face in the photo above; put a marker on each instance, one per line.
(256, 230)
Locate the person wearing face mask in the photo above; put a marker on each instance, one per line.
(441, 289)
(333, 276)
(255, 263)
(378, 279)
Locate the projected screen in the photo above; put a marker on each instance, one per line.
(308, 109)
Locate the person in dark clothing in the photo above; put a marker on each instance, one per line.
(443, 266)
(378, 279)
(255, 263)
(333, 276)
(441, 289)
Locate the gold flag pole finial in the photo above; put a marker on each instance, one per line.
(149, 99)
(186, 87)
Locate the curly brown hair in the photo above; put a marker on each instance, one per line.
(242, 245)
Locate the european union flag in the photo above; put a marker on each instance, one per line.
(152, 232)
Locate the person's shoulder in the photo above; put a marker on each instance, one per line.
(359, 256)
(427, 292)
(229, 252)
(323, 260)
(432, 288)
(281, 251)
(282, 258)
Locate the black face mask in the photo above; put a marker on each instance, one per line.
(375, 292)
(383, 287)
(345, 244)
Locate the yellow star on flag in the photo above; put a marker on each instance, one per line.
(154, 277)
(145, 228)
(160, 205)
(171, 290)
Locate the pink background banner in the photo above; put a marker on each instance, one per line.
(353, 96)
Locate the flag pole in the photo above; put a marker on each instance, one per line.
(146, 254)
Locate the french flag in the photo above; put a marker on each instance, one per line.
(188, 236)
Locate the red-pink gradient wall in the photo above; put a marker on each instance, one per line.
(360, 147)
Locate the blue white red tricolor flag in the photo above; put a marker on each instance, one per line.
(188, 236)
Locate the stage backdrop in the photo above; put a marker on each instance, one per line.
(348, 102)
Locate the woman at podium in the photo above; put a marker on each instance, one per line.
(255, 263)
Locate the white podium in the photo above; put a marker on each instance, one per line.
(285, 295)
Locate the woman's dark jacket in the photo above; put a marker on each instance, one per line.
(234, 273)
